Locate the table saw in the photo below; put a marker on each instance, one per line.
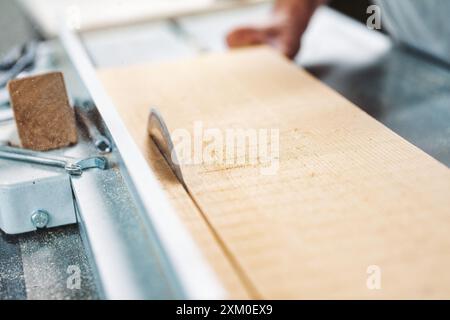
(115, 233)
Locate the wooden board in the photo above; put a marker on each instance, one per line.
(349, 193)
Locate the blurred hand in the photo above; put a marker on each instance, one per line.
(282, 31)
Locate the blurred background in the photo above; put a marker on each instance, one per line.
(17, 25)
(400, 86)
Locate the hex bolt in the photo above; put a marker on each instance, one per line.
(40, 218)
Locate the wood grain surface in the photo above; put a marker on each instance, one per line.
(349, 193)
(44, 118)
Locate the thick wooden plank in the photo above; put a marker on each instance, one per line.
(348, 194)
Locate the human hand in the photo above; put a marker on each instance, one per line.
(282, 31)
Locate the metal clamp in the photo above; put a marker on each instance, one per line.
(36, 198)
(72, 166)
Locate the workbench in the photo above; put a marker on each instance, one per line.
(405, 90)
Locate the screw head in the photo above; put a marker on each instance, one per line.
(103, 145)
(40, 218)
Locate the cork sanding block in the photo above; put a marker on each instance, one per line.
(43, 115)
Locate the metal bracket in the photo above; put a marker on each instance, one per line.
(36, 198)
(27, 205)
